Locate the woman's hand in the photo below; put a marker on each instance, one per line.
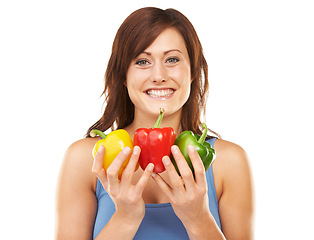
(127, 197)
(188, 196)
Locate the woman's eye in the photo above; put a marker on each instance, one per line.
(173, 60)
(142, 62)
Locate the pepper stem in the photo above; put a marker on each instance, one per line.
(202, 138)
(96, 132)
(161, 114)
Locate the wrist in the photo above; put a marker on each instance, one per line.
(129, 220)
(205, 228)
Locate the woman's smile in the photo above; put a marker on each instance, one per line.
(161, 94)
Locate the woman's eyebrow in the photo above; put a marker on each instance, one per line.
(166, 52)
(147, 53)
(171, 50)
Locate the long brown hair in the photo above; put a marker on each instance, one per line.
(136, 33)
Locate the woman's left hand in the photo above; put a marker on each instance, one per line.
(188, 196)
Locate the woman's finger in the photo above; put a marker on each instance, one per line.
(198, 166)
(113, 169)
(141, 184)
(98, 169)
(164, 186)
(130, 168)
(183, 167)
(175, 179)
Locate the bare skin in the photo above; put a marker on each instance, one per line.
(159, 77)
(76, 203)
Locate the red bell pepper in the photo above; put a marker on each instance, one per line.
(155, 143)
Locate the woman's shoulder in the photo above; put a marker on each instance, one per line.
(229, 156)
(82, 145)
(231, 165)
(229, 150)
(80, 151)
(78, 161)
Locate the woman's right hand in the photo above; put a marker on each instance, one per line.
(127, 197)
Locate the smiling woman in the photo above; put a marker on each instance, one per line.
(137, 34)
(156, 62)
(164, 79)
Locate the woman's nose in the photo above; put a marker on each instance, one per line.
(159, 73)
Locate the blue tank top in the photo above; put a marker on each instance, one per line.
(160, 221)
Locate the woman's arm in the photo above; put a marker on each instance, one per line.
(75, 201)
(128, 200)
(188, 195)
(234, 191)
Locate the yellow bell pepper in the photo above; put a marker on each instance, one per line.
(114, 142)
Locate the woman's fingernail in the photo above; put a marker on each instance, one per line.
(126, 150)
(153, 174)
(174, 149)
(150, 167)
(191, 148)
(166, 160)
(136, 150)
(101, 148)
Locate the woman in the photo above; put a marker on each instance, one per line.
(156, 62)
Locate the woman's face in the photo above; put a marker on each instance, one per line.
(160, 77)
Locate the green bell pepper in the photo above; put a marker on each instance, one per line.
(204, 149)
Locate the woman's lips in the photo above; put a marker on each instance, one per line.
(160, 93)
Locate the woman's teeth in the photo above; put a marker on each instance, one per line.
(160, 93)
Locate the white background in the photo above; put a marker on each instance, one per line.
(53, 56)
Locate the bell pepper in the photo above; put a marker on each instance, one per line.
(155, 143)
(114, 142)
(204, 149)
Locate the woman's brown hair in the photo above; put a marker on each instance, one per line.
(137, 32)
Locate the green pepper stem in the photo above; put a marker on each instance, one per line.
(161, 114)
(96, 132)
(202, 138)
